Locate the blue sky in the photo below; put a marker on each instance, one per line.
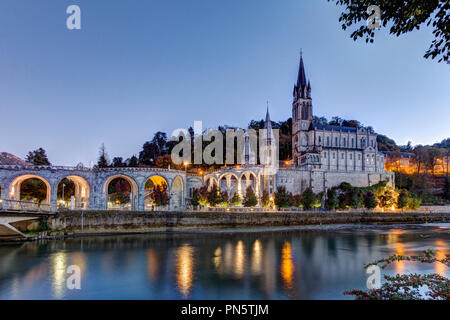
(140, 66)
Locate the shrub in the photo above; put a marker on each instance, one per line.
(236, 200)
(386, 200)
(225, 201)
(214, 196)
(402, 200)
(250, 199)
(195, 198)
(369, 200)
(308, 198)
(265, 199)
(331, 202)
(43, 225)
(282, 197)
(353, 199)
(296, 200)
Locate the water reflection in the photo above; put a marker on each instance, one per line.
(441, 251)
(58, 264)
(283, 265)
(257, 258)
(287, 266)
(239, 261)
(184, 262)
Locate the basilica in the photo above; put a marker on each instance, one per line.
(323, 155)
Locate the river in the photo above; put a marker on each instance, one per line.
(296, 263)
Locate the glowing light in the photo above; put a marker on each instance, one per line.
(152, 264)
(393, 208)
(239, 262)
(256, 257)
(59, 266)
(184, 262)
(287, 266)
(440, 268)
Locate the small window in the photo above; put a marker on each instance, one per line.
(342, 156)
(351, 156)
(334, 155)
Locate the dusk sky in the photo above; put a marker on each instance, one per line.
(137, 67)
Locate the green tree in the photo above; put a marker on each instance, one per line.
(386, 200)
(353, 198)
(250, 199)
(133, 162)
(117, 162)
(225, 199)
(103, 159)
(282, 197)
(331, 202)
(402, 200)
(402, 17)
(38, 157)
(369, 200)
(160, 195)
(214, 196)
(308, 198)
(265, 199)
(120, 192)
(195, 198)
(236, 199)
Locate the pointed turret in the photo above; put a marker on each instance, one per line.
(301, 79)
(268, 122)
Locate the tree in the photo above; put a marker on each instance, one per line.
(446, 193)
(214, 196)
(133, 162)
(386, 200)
(265, 199)
(402, 200)
(353, 198)
(236, 199)
(250, 199)
(195, 198)
(120, 192)
(369, 200)
(160, 195)
(117, 162)
(225, 199)
(282, 197)
(203, 196)
(403, 17)
(331, 202)
(308, 198)
(38, 157)
(103, 159)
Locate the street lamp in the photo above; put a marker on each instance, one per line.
(185, 163)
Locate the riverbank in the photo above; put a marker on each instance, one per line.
(77, 223)
(138, 222)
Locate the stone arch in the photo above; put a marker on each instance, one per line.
(81, 193)
(177, 191)
(149, 183)
(15, 186)
(229, 182)
(210, 182)
(249, 178)
(134, 191)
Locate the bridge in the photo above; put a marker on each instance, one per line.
(92, 186)
(13, 211)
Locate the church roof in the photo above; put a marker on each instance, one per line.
(328, 127)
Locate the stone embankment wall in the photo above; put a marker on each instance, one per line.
(110, 222)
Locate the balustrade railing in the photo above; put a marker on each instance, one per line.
(27, 206)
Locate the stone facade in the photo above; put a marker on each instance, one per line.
(323, 155)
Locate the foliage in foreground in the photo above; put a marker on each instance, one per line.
(407, 286)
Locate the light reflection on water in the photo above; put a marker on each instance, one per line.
(272, 265)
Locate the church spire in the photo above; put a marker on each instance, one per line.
(301, 79)
(268, 122)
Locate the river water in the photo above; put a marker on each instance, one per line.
(281, 264)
